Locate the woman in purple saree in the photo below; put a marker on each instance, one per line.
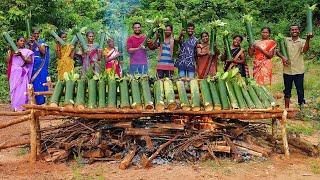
(20, 74)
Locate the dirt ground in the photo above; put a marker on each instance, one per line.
(14, 165)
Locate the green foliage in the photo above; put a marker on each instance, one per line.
(4, 91)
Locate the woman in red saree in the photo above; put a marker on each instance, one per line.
(111, 55)
(206, 63)
(263, 51)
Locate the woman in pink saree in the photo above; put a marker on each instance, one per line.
(263, 51)
(20, 74)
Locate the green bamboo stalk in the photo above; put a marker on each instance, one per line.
(57, 92)
(74, 40)
(195, 95)
(124, 94)
(80, 97)
(112, 93)
(146, 93)
(184, 101)
(309, 18)
(206, 95)
(269, 95)
(28, 27)
(262, 96)
(136, 95)
(102, 40)
(159, 94)
(9, 40)
(215, 95)
(247, 98)
(161, 35)
(102, 93)
(213, 40)
(61, 41)
(223, 94)
(69, 91)
(258, 104)
(239, 95)
(92, 93)
(83, 42)
(232, 95)
(169, 94)
(227, 46)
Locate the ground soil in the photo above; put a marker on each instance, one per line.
(14, 165)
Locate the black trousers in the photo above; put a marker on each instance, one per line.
(298, 80)
(164, 73)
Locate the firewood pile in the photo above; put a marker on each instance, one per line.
(157, 140)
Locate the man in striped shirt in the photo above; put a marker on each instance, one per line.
(165, 66)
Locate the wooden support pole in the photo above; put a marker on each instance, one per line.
(18, 113)
(273, 126)
(33, 128)
(283, 123)
(15, 144)
(38, 135)
(15, 121)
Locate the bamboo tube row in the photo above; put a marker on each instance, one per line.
(162, 94)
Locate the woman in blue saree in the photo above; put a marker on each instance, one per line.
(40, 66)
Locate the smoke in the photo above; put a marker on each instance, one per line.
(115, 21)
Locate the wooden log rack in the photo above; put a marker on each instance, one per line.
(276, 115)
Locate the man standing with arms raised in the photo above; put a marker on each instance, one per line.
(137, 51)
(293, 70)
(187, 55)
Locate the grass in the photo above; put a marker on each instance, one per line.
(315, 167)
(22, 151)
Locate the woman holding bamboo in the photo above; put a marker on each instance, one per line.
(21, 64)
(206, 63)
(111, 54)
(40, 64)
(92, 56)
(263, 51)
(239, 58)
(65, 56)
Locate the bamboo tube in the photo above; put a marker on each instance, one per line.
(61, 42)
(169, 93)
(195, 95)
(215, 96)
(124, 94)
(92, 93)
(239, 95)
(247, 98)
(159, 95)
(206, 95)
(232, 96)
(55, 98)
(136, 95)
(80, 97)
(223, 94)
(184, 101)
(69, 91)
(101, 93)
(9, 40)
(112, 93)
(146, 94)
